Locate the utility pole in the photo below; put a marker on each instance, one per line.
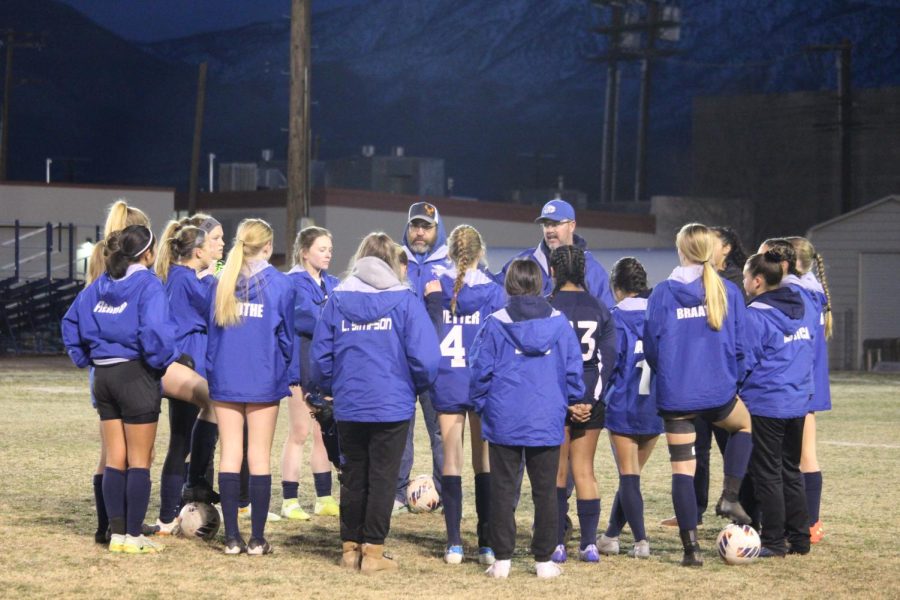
(298, 128)
(845, 117)
(198, 136)
(12, 39)
(611, 113)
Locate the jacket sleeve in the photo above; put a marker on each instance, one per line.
(482, 356)
(285, 330)
(574, 366)
(306, 312)
(598, 284)
(607, 346)
(753, 345)
(435, 308)
(652, 328)
(76, 348)
(422, 346)
(740, 337)
(156, 329)
(321, 354)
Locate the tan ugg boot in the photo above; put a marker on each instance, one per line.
(352, 556)
(374, 560)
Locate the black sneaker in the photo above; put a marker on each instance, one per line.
(692, 555)
(769, 553)
(149, 530)
(201, 491)
(103, 537)
(235, 545)
(732, 510)
(258, 547)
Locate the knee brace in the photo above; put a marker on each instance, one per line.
(680, 426)
(681, 452)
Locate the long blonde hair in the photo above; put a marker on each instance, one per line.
(252, 236)
(465, 247)
(169, 240)
(118, 217)
(695, 242)
(807, 258)
(380, 245)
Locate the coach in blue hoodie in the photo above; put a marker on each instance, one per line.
(780, 330)
(373, 350)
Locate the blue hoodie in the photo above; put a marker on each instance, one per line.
(697, 368)
(310, 301)
(374, 348)
(596, 278)
(124, 318)
(421, 268)
(780, 327)
(250, 361)
(479, 297)
(631, 399)
(526, 371)
(821, 399)
(189, 302)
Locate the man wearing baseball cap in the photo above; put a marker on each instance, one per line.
(557, 221)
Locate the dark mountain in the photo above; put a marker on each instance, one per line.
(506, 91)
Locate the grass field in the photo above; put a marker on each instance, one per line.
(48, 451)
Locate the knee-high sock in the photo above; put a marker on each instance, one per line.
(482, 507)
(102, 518)
(322, 482)
(633, 504)
(114, 499)
(203, 446)
(562, 508)
(813, 484)
(260, 495)
(685, 501)
(169, 496)
(137, 498)
(617, 517)
(289, 489)
(588, 518)
(230, 492)
(453, 508)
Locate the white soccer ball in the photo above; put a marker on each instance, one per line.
(421, 495)
(200, 520)
(738, 544)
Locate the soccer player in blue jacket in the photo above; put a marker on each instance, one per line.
(596, 333)
(631, 418)
(249, 353)
(557, 223)
(780, 333)
(526, 367)
(468, 295)
(313, 284)
(121, 325)
(373, 350)
(693, 342)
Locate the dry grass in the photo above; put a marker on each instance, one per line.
(48, 449)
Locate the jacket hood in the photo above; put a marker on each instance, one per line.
(810, 282)
(534, 336)
(632, 313)
(783, 306)
(116, 291)
(686, 284)
(252, 280)
(370, 292)
(478, 289)
(438, 250)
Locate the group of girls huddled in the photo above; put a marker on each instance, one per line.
(537, 375)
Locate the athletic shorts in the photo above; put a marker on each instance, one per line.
(130, 391)
(710, 415)
(598, 416)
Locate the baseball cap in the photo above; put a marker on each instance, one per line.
(424, 211)
(556, 210)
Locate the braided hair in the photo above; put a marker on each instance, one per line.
(629, 276)
(568, 266)
(785, 250)
(465, 247)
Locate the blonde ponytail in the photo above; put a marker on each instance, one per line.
(252, 236)
(465, 247)
(820, 275)
(716, 297)
(696, 245)
(164, 252)
(118, 217)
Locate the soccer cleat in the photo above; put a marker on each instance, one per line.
(641, 549)
(499, 570)
(201, 491)
(816, 532)
(608, 545)
(140, 545)
(399, 508)
(117, 542)
(163, 528)
(290, 509)
(485, 556)
(769, 553)
(733, 510)
(149, 530)
(235, 546)
(327, 506)
(547, 570)
(670, 522)
(559, 555)
(692, 556)
(590, 554)
(454, 555)
(258, 547)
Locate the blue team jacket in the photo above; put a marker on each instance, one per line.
(697, 368)
(421, 268)
(479, 297)
(250, 361)
(631, 399)
(596, 278)
(189, 302)
(374, 348)
(310, 300)
(525, 374)
(126, 318)
(821, 399)
(779, 332)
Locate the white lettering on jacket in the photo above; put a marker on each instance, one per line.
(693, 312)
(384, 324)
(250, 309)
(800, 334)
(103, 307)
(473, 319)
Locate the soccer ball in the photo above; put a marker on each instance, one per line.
(200, 520)
(738, 544)
(421, 495)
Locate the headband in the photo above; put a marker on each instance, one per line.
(209, 224)
(144, 249)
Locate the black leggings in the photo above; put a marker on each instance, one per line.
(181, 422)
